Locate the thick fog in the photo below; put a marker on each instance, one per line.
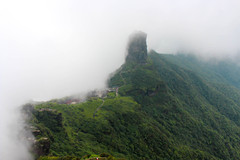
(51, 49)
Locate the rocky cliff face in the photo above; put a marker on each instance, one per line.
(137, 48)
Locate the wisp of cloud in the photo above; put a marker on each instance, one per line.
(51, 49)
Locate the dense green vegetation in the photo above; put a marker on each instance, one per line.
(171, 107)
(199, 113)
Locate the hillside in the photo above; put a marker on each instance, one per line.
(157, 107)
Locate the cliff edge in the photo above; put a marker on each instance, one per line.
(137, 47)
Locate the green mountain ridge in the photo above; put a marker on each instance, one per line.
(222, 71)
(158, 107)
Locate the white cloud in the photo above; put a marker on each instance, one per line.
(55, 48)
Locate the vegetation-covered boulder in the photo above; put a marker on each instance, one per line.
(42, 146)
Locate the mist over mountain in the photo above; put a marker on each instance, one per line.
(156, 106)
(55, 49)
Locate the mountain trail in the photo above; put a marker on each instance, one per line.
(98, 108)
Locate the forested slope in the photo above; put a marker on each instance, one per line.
(158, 107)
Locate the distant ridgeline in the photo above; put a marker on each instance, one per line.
(157, 106)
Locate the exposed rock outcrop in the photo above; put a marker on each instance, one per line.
(137, 48)
(42, 146)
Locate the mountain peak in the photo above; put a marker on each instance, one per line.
(137, 47)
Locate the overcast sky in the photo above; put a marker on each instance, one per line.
(56, 48)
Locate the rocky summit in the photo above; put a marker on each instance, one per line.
(137, 47)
